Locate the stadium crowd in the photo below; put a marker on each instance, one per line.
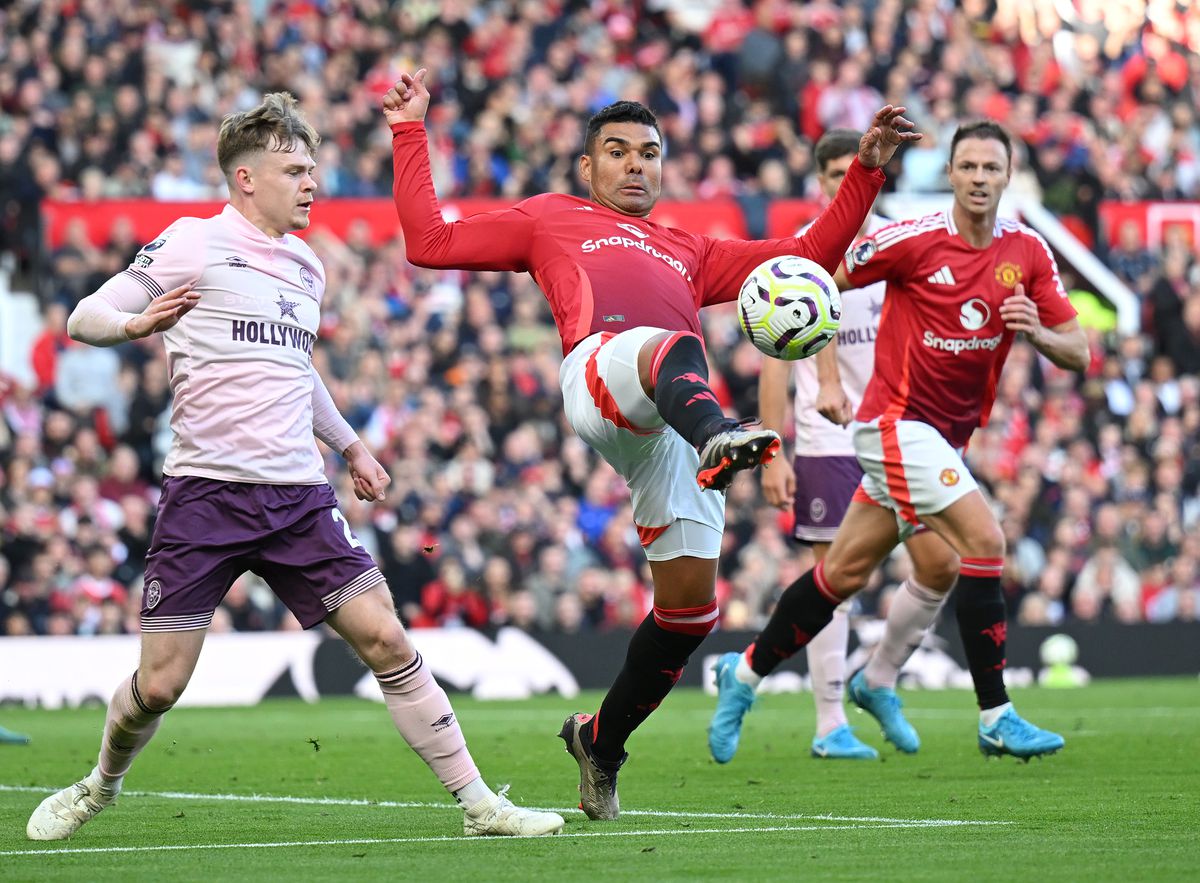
(498, 514)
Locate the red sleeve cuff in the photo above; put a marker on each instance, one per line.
(875, 174)
(408, 126)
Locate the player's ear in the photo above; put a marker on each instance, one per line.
(243, 179)
(585, 168)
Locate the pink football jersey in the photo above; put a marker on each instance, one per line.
(240, 362)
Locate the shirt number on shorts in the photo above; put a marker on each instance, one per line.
(341, 519)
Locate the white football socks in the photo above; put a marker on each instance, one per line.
(989, 716)
(914, 608)
(827, 669)
(128, 727)
(745, 673)
(472, 793)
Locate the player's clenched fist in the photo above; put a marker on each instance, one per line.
(163, 312)
(407, 100)
(1020, 313)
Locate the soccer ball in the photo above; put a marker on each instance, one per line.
(789, 308)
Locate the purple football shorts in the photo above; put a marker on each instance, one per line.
(210, 532)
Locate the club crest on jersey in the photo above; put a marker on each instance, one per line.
(153, 594)
(861, 253)
(974, 314)
(629, 228)
(949, 477)
(287, 308)
(306, 278)
(1009, 274)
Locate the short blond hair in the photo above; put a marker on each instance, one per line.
(276, 124)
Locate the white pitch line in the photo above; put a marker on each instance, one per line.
(965, 713)
(409, 804)
(463, 839)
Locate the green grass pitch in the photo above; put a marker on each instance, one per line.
(1121, 803)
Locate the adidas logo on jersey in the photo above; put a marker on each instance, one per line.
(943, 277)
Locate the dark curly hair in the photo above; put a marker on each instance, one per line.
(619, 112)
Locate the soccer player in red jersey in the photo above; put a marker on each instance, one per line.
(960, 285)
(625, 293)
(818, 489)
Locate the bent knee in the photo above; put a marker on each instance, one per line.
(845, 577)
(159, 691)
(386, 647)
(988, 544)
(939, 574)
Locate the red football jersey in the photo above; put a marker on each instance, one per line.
(941, 340)
(599, 269)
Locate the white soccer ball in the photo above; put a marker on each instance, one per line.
(789, 308)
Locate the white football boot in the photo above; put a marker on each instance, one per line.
(497, 816)
(61, 815)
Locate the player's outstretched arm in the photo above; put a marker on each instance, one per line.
(888, 131)
(499, 240)
(1064, 344)
(727, 262)
(110, 316)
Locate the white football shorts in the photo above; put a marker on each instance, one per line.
(607, 407)
(910, 468)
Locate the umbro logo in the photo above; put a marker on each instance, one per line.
(943, 277)
(443, 722)
(583, 208)
(238, 263)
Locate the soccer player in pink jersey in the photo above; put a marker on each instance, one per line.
(828, 388)
(237, 299)
(961, 285)
(626, 293)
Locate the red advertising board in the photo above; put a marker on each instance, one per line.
(720, 218)
(1156, 222)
